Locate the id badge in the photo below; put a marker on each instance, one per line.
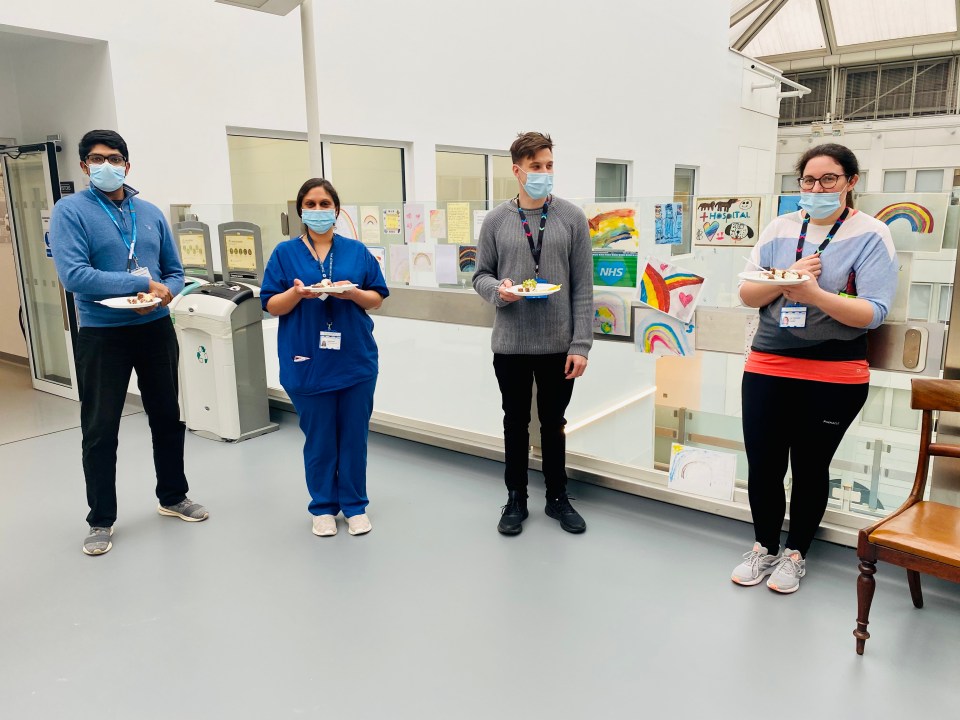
(793, 316)
(142, 272)
(329, 341)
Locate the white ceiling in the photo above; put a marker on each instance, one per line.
(832, 26)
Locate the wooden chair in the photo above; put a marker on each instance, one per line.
(923, 537)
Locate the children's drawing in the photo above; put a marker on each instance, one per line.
(611, 312)
(702, 472)
(414, 223)
(347, 225)
(915, 224)
(468, 258)
(788, 203)
(391, 222)
(370, 223)
(438, 224)
(380, 253)
(670, 289)
(399, 264)
(658, 334)
(613, 227)
(731, 221)
(668, 223)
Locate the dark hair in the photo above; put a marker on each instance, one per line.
(315, 183)
(103, 137)
(843, 155)
(528, 144)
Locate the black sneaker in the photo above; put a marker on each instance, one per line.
(561, 509)
(513, 514)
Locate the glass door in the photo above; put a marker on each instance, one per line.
(32, 187)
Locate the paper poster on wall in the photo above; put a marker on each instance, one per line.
(370, 223)
(414, 223)
(399, 263)
(702, 472)
(788, 204)
(916, 224)
(438, 224)
(478, 216)
(380, 253)
(446, 264)
(668, 223)
(726, 221)
(611, 312)
(615, 269)
(670, 289)
(458, 223)
(391, 221)
(468, 258)
(658, 334)
(423, 265)
(347, 225)
(613, 227)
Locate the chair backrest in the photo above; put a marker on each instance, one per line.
(929, 395)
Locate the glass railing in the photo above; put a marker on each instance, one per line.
(632, 406)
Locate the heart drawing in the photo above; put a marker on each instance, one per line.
(711, 229)
(685, 298)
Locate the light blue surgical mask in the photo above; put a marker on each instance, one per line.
(319, 220)
(820, 205)
(538, 185)
(106, 177)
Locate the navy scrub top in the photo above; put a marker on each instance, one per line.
(299, 334)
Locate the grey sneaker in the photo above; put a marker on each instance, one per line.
(786, 578)
(756, 565)
(186, 509)
(98, 541)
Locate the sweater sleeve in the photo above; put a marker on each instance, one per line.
(171, 269)
(877, 271)
(70, 247)
(581, 290)
(485, 279)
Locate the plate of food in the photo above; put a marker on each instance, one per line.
(533, 289)
(325, 286)
(774, 276)
(131, 302)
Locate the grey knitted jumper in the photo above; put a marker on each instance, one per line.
(560, 323)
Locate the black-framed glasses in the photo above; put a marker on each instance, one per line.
(827, 181)
(115, 160)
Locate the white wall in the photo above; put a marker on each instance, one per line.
(651, 83)
(11, 340)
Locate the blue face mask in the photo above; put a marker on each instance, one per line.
(319, 220)
(106, 177)
(538, 185)
(820, 205)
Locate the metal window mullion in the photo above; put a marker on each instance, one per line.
(876, 102)
(913, 89)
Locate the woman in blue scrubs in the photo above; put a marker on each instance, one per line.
(328, 357)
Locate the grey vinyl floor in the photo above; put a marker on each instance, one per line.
(432, 615)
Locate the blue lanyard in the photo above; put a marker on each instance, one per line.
(132, 244)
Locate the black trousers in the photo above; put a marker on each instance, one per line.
(804, 420)
(105, 357)
(515, 374)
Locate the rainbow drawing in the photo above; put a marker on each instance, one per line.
(919, 217)
(663, 290)
(614, 228)
(659, 335)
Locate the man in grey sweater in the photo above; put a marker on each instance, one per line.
(537, 236)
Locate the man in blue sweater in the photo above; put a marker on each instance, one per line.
(107, 244)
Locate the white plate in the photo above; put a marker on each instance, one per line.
(121, 303)
(331, 289)
(756, 276)
(543, 289)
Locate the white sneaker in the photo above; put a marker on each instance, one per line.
(359, 525)
(786, 577)
(756, 565)
(324, 525)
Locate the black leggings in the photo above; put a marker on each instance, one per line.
(804, 420)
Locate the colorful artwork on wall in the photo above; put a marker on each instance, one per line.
(613, 227)
(414, 223)
(668, 223)
(615, 269)
(658, 334)
(916, 221)
(611, 312)
(370, 224)
(468, 258)
(670, 289)
(726, 221)
(788, 203)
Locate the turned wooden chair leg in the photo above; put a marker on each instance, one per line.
(913, 578)
(865, 587)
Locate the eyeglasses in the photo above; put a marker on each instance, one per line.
(115, 160)
(827, 181)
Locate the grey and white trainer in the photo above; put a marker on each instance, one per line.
(186, 509)
(98, 541)
(756, 565)
(786, 577)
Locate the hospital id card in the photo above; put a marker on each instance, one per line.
(141, 272)
(329, 341)
(793, 316)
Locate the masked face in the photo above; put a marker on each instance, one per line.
(820, 205)
(538, 185)
(319, 220)
(535, 174)
(107, 177)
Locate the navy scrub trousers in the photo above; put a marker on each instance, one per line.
(335, 426)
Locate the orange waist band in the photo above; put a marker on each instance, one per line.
(844, 372)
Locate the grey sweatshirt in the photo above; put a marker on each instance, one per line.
(560, 323)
